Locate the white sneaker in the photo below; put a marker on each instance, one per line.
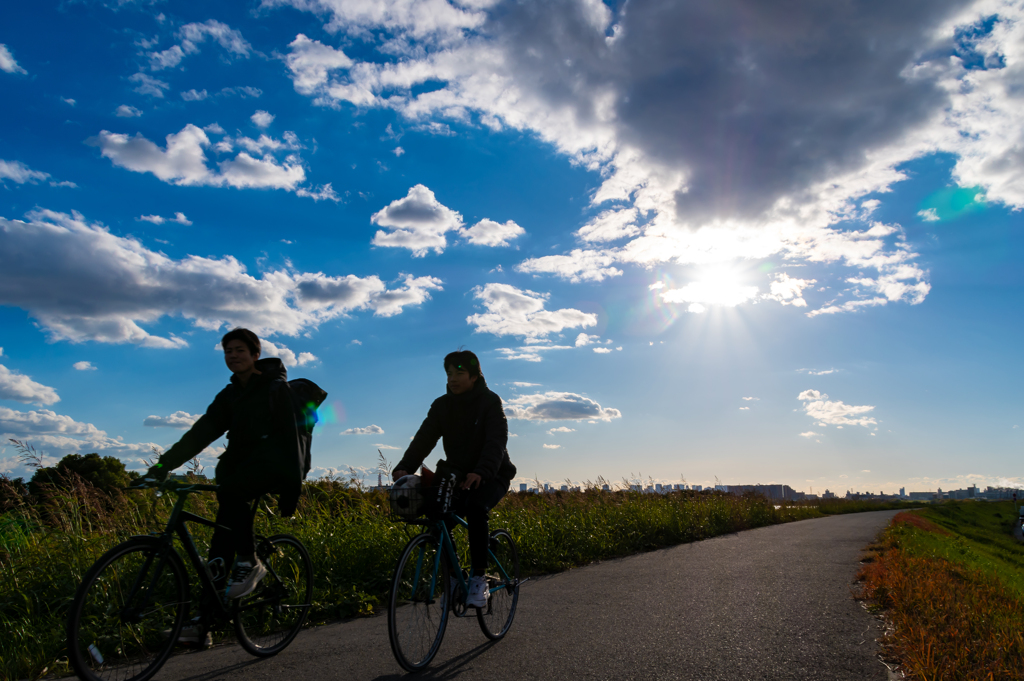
(479, 592)
(195, 635)
(244, 578)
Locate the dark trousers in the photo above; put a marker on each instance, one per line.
(475, 505)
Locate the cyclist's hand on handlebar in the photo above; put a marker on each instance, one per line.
(472, 480)
(157, 473)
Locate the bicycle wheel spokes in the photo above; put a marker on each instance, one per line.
(127, 613)
(268, 619)
(418, 607)
(503, 580)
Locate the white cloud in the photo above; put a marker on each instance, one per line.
(744, 408)
(583, 339)
(18, 172)
(610, 225)
(725, 294)
(812, 372)
(83, 366)
(491, 233)
(311, 62)
(195, 34)
(561, 429)
(530, 353)
(577, 266)
(125, 111)
(558, 406)
(194, 95)
(834, 413)
(380, 446)
(184, 162)
(516, 312)
(281, 351)
(7, 62)
(788, 290)
(47, 430)
(181, 420)
(524, 384)
(368, 430)
(148, 85)
(20, 388)
(244, 91)
(418, 222)
(324, 192)
(547, 446)
(68, 101)
(262, 119)
(158, 220)
(810, 434)
(751, 399)
(398, 151)
(603, 351)
(105, 297)
(928, 215)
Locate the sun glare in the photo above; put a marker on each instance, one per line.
(720, 285)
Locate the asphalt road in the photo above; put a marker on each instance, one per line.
(772, 603)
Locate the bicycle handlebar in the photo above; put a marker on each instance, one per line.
(172, 486)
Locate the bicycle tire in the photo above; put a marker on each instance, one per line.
(270, 617)
(127, 612)
(503, 582)
(419, 603)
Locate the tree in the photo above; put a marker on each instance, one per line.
(106, 473)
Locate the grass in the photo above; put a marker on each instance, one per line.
(48, 543)
(950, 579)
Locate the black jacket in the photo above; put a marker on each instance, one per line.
(260, 422)
(475, 434)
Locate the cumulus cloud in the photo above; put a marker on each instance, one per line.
(19, 173)
(603, 351)
(558, 406)
(194, 95)
(491, 233)
(516, 312)
(181, 420)
(825, 412)
(561, 429)
(192, 36)
(583, 339)
(530, 353)
(820, 113)
(158, 220)
(7, 62)
(125, 111)
(51, 431)
(287, 356)
(368, 430)
(547, 446)
(810, 434)
(418, 222)
(183, 161)
(20, 388)
(262, 119)
(148, 85)
(310, 62)
(788, 290)
(83, 366)
(122, 284)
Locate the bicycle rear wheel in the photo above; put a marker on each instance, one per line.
(268, 619)
(418, 606)
(127, 612)
(503, 580)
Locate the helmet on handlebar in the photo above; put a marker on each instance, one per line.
(406, 499)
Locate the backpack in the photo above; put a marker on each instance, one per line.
(305, 396)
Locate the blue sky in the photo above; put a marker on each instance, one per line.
(688, 240)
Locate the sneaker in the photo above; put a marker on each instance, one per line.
(244, 578)
(195, 635)
(479, 592)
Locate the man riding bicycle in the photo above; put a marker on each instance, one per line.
(263, 456)
(472, 423)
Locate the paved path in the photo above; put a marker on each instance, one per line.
(772, 603)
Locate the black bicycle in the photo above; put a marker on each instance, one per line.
(429, 583)
(132, 603)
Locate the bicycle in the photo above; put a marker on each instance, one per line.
(427, 574)
(132, 603)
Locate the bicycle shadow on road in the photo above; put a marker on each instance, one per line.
(451, 669)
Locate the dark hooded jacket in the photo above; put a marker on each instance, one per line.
(475, 433)
(261, 427)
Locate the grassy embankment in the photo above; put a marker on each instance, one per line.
(950, 580)
(48, 543)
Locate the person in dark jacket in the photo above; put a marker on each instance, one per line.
(471, 421)
(263, 456)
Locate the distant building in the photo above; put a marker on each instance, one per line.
(605, 488)
(903, 491)
(522, 487)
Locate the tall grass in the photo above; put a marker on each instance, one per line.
(47, 543)
(949, 619)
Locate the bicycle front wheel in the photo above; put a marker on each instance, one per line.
(503, 581)
(268, 619)
(418, 607)
(127, 612)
